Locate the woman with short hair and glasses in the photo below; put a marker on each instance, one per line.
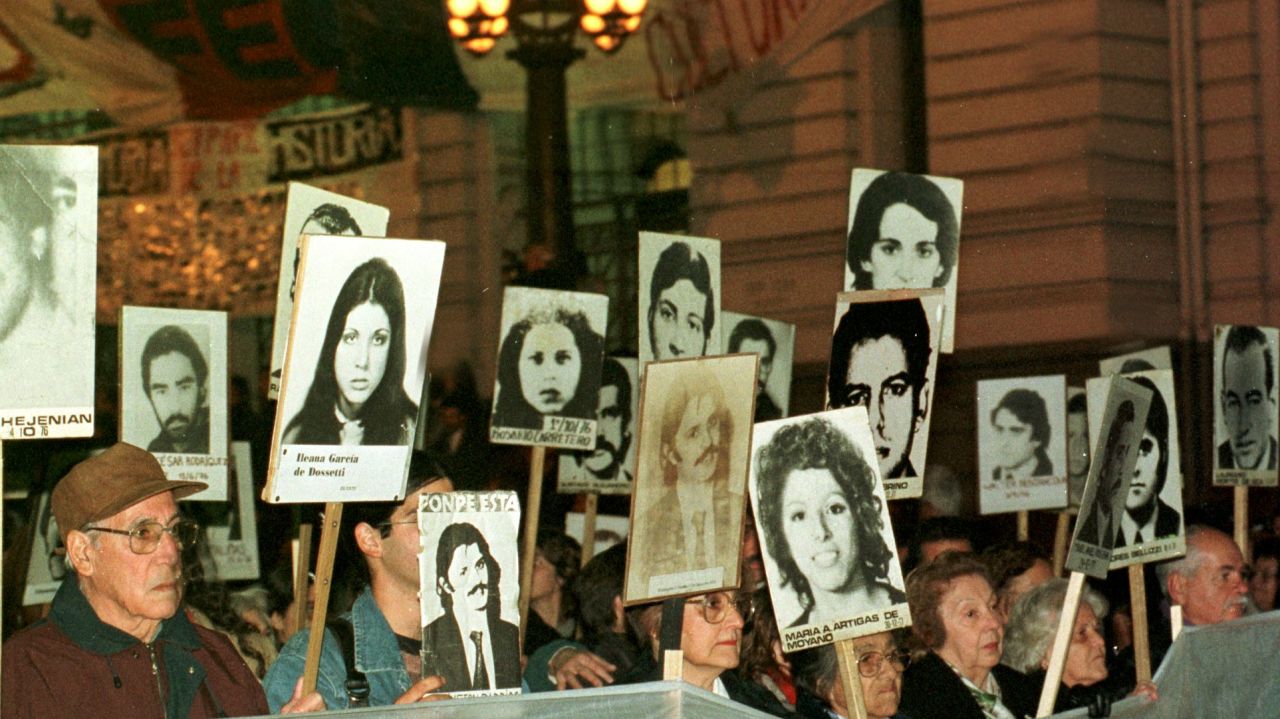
(820, 693)
(711, 640)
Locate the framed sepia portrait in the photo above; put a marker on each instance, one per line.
(691, 475)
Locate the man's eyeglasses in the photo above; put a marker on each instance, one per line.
(144, 538)
(870, 664)
(715, 607)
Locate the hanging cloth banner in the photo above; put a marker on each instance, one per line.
(151, 62)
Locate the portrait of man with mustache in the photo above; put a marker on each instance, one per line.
(691, 524)
(175, 377)
(614, 431)
(470, 645)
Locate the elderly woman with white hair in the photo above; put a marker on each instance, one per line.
(1029, 641)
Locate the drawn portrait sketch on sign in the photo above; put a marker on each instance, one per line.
(470, 586)
(884, 353)
(830, 557)
(1245, 411)
(679, 281)
(549, 364)
(313, 211)
(1077, 446)
(173, 386)
(229, 546)
(691, 475)
(48, 284)
(1119, 433)
(775, 342)
(354, 370)
(611, 466)
(904, 232)
(1022, 447)
(1151, 526)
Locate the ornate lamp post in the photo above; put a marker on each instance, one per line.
(544, 31)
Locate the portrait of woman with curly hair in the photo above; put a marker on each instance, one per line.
(823, 519)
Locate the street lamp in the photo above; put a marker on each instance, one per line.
(544, 31)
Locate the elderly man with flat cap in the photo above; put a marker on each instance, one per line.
(116, 643)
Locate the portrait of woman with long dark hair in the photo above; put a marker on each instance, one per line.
(357, 394)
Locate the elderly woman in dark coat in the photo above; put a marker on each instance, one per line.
(955, 615)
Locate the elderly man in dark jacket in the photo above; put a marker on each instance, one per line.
(116, 642)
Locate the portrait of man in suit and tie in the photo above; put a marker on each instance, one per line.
(470, 645)
(1101, 519)
(1021, 428)
(1247, 411)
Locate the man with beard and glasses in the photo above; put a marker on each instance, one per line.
(469, 645)
(693, 515)
(174, 376)
(613, 428)
(880, 360)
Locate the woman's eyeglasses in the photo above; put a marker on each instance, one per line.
(870, 664)
(715, 607)
(144, 538)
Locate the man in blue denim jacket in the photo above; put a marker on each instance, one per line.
(385, 618)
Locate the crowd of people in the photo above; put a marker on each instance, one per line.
(135, 629)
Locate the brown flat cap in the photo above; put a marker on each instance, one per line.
(110, 482)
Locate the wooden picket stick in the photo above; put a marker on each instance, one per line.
(1175, 620)
(1138, 610)
(324, 578)
(301, 587)
(530, 548)
(589, 527)
(1061, 540)
(847, 658)
(1242, 520)
(672, 665)
(1024, 525)
(1061, 642)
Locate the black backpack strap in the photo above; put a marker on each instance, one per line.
(357, 685)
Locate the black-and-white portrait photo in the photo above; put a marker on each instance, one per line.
(679, 280)
(611, 466)
(1022, 448)
(1077, 445)
(355, 366)
(1152, 358)
(775, 342)
(313, 211)
(549, 364)
(48, 290)
(173, 379)
(823, 518)
(1115, 454)
(47, 563)
(691, 475)
(884, 353)
(229, 547)
(470, 590)
(1246, 415)
(1151, 525)
(610, 529)
(904, 232)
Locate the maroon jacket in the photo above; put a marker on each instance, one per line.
(73, 665)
